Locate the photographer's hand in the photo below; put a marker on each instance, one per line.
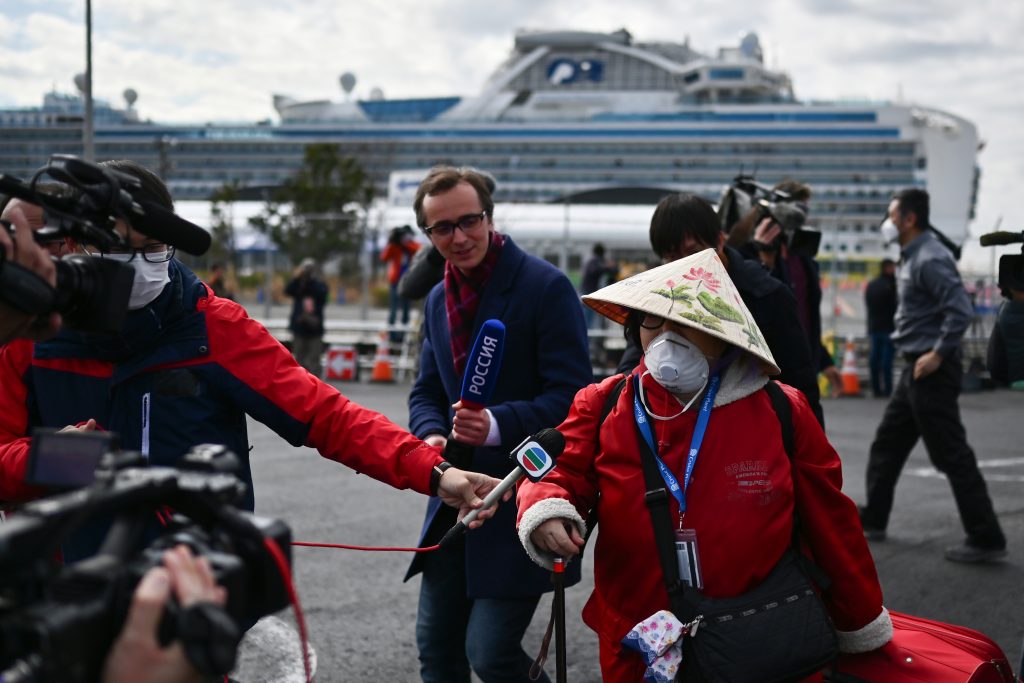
(23, 250)
(137, 656)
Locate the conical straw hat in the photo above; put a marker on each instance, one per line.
(696, 292)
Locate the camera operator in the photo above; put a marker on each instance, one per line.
(1005, 359)
(136, 656)
(23, 251)
(796, 268)
(187, 369)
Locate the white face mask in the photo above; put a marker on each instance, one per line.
(890, 233)
(150, 278)
(677, 365)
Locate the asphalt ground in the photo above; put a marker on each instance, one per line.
(361, 617)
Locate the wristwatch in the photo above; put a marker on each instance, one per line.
(435, 475)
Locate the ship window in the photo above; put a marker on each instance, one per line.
(725, 74)
(691, 77)
(521, 98)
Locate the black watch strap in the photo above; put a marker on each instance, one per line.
(435, 475)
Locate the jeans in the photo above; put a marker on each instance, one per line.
(454, 632)
(397, 302)
(880, 362)
(927, 408)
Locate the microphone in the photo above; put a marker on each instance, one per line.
(535, 457)
(993, 239)
(478, 382)
(170, 228)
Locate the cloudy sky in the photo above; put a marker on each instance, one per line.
(221, 60)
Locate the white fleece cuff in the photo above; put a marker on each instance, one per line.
(537, 514)
(877, 633)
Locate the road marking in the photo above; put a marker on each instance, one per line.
(932, 473)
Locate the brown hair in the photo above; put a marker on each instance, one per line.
(440, 179)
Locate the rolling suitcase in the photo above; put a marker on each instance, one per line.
(926, 651)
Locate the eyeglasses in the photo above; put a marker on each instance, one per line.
(651, 321)
(151, 253)
(467, 224)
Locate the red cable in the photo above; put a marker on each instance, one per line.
(368, 548)
(286, 576)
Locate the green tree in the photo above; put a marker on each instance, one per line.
(316, 212)
(222, 226)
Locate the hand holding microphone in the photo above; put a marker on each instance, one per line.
(535, 456)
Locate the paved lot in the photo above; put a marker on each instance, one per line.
(361, 616)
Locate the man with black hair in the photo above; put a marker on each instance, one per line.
(684, 224)
(933, 313)
(796, 268)
(1005, 359)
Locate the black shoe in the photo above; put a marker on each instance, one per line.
(871, 532)
(973, 554)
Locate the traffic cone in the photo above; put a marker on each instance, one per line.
(851, 382)
(382, 362)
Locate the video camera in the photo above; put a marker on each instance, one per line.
(83, 201)
(57, 623)
(1011, 266)
(745, 194)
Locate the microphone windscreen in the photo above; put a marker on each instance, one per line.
(483, 363)
(551, 440)
(172, 229)
(993, 239)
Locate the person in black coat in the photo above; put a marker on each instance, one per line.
(880, 299)
(684, 224)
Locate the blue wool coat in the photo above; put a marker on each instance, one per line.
(546, 361)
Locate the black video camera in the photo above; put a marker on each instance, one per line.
(83, 201)
(1011, 266)
(57, 623)
(746, 194)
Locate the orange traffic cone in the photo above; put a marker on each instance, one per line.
(851, 382)
(382, 362)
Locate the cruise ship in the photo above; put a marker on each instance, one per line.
(569, 118)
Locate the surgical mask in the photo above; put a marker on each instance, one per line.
(890, 233)
(150, 279)
(677, 365)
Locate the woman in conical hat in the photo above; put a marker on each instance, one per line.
(734, 488)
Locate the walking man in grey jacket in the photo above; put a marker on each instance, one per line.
(933, 312)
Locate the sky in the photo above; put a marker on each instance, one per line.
(222, 60)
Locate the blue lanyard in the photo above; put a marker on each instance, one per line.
(640, 415)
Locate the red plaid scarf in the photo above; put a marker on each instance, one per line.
(462, 294)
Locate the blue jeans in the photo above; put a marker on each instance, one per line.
(880, 363)
(454, 633)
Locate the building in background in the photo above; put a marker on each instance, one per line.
(571, 118)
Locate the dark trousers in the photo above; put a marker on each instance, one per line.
(927, 408)
(880, 363)
(454, 632)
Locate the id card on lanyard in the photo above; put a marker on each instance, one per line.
(686, 539)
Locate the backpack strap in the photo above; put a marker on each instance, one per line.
(609, 404)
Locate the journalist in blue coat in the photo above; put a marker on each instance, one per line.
(477, 598)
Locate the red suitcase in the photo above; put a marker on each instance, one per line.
(929, 651)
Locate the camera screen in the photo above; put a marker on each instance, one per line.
(66, 460)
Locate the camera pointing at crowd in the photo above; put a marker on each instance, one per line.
(83, 201)
(535, 457)
(57, 621)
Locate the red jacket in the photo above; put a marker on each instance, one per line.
(194, 365)
(740, 502)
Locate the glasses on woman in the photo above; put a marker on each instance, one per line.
(651, 321)
(467, 224)
(151, 253)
